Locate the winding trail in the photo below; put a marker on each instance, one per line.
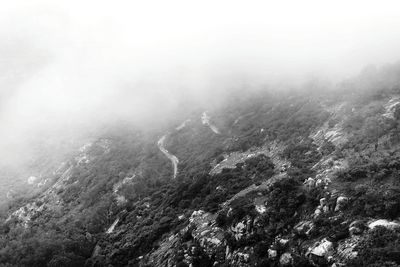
(171, 157)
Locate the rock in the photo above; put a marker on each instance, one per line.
(341, 202)
(286, 259)
(309, 183)
(325, 208)
(204, 232)
(227, 251)
(317, 212)
(283, 242)
(96, 251)
(239, 230)
(261, 209)
(220, 188)
(215, 241)
(304, 228)
(195, 214)
(356, 228)
(384, 223)
(272, 253)
(323, 249)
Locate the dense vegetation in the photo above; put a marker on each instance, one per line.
(70, 229)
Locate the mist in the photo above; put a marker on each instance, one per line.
(71, 66)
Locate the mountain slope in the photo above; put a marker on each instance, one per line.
(288, 179)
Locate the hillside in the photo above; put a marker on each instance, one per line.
(267, 178)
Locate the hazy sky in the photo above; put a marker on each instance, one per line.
(68, 62)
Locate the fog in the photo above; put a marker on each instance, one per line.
(73, 65)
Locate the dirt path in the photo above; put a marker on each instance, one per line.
(171, 157)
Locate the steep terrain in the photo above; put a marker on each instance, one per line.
(288, 179)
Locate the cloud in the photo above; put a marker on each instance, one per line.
(66, 64)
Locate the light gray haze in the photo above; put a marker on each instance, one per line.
(67, 65)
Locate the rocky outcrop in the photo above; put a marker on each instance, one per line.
(390, 108)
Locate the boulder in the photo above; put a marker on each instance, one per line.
(261, 209)
(283, 242)
(272, 253)
(318, 211)
(356, 227)
(304, 228)
(323, 249)
(309, 183)
(384, 223)
(341, 202)
(286, 259)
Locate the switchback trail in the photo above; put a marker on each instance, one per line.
(171, 157)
